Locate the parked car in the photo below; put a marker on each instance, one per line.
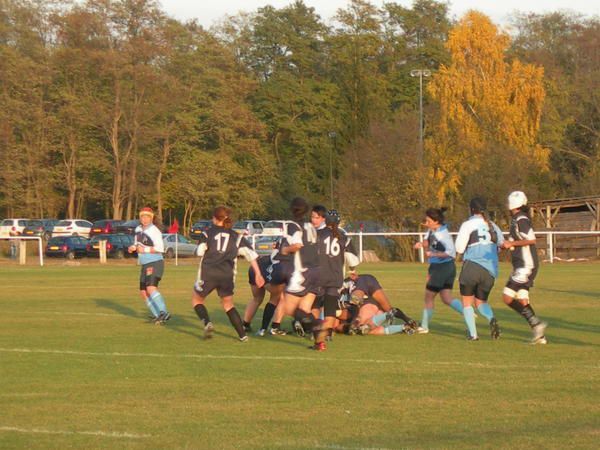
(184, 246)
(12, 227)
(275, 227)
(199, 227)
(248, 227)
(106, 226)
(42, 228)
(128, 227)
(116, 245)
(72, 227)
(69, 247)
(265, 245)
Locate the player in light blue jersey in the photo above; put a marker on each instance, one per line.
(150, 248)
(478, 241)
(440, 251)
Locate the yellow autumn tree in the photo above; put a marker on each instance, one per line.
(487, 104)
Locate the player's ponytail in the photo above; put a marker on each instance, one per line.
(478, 205)
(223, 214)
(332, 220)
(299, 208)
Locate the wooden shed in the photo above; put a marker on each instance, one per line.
(570, 214)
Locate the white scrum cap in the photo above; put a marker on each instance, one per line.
(516, 199)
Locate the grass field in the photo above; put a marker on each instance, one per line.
(81, 368)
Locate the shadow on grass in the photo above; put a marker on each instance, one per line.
(592, 294)
(519, 329)
(118, 308)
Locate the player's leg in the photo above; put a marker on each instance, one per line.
(232, 313)
(152, 307)
(276, 294)
(202, 313)
(481, 302)
(258, 295)
(516, 296)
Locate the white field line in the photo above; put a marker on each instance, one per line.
(402, 363)
(111, 434)
(27, 394)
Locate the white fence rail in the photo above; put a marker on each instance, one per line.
(22, 249)
(419, 236)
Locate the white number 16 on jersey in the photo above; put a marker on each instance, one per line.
(332, 248)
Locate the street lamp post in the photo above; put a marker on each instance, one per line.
(332, 135)
(420, 73)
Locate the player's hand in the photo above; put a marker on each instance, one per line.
(429, 253)
(418, 245)
(131, 248)
(260, 281)
(140, 249)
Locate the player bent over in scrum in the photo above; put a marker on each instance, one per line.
(148, 243)
(274, 284)
(525, 264)
(219, 248)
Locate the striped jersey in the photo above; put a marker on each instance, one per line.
(521, 230)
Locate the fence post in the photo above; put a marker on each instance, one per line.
(551, 247)
(176, 249)
(360, 245)
(41, 251)
(421, 251)
(22, 252)
(102, 250)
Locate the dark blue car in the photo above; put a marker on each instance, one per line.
(69, 247)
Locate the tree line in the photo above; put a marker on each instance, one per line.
(109, 105)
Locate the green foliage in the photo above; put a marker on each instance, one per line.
(106, 102)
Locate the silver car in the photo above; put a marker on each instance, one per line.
(184, 246)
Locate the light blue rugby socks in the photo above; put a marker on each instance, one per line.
(427, 314)
(159, 301)
(469, 315)
(486, 311)
(152, 307)
(456, 305)
(394, 329)
(379, 319)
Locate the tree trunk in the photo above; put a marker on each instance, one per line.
(166, 150)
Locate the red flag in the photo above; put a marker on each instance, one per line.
(174, 228)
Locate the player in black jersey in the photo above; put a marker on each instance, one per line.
(521, 243)
(219, 248)
(303, 284)
(275, 281)
(366, 289)
(335, 248)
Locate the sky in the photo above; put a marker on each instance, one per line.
(209, 11)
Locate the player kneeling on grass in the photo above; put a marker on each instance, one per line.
(525, 264)
(149, 245)
(366, 288)
(219, 248)
(439, 249)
